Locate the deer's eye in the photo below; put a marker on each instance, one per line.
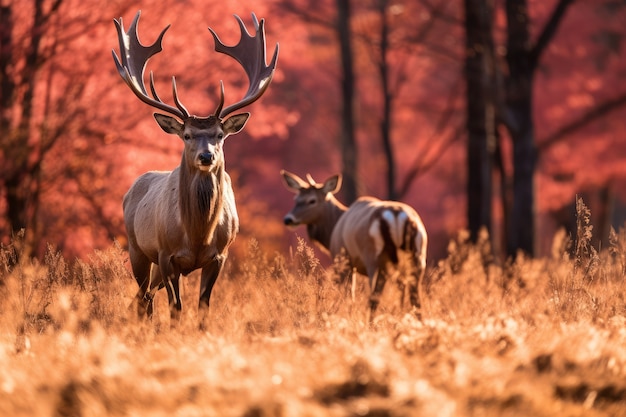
(220, 136)
(186, 136)
(311, 202)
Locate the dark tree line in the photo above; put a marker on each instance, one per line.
(499, 106)
(500, 102)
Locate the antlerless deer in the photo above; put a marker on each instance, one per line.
(373, 233)
(186, 219)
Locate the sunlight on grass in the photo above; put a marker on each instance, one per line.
(539, 337)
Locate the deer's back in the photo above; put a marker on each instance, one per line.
(367, 228)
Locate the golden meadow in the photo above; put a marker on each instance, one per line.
(528, 337)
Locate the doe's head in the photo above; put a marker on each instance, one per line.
(310, 197)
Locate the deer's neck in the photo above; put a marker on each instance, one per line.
(201, 202)
(322, 230)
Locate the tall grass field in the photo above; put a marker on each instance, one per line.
(528, 337)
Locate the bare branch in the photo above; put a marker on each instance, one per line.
(304, 14)
(420, 165)
(593, 114)
(548, 32)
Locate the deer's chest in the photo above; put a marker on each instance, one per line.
(202, 250)
(190, 259)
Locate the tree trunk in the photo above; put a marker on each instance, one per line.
(7, 85)
(521, 233)
(521, 228)
(479, 67)
(348, 143)
(23, 155)
(22, 200)
(385, 124)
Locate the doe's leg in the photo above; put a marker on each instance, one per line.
(378, 278)
(419, 269)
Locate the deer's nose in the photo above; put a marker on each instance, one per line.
(206, 158)
(288, 220)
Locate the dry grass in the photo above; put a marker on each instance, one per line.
(530, 338)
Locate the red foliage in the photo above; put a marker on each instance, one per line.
(295, 125)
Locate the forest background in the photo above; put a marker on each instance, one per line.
(73, 137)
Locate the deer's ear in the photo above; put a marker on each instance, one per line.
(235, 123)
(332, 185)
(292, 181)
(169, 124)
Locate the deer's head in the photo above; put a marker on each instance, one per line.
(310, 199)
(203, 136)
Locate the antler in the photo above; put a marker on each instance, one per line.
(134, 59)
(310, 179)
(250, 53)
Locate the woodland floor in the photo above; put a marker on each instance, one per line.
(539, 337)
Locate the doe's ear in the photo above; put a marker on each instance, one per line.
(293, 182)
(169, 124)
(332, 185)
(235, 123)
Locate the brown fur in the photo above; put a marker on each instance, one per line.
(185, 219)
(339, 228)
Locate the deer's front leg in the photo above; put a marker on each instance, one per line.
(210, 273)
(170, 275)
(156, 283)
(345, 274)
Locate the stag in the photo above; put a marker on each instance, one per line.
(371, 233)
(186, 219)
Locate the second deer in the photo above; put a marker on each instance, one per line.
(373, 233)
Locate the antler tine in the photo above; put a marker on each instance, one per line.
(221, 103)
(310, 179)
(250, 53)
(135, 56)
(176, 100)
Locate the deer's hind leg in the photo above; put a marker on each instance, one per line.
(418, 269)
(377, 278)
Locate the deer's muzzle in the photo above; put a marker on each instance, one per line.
(206, 158)
(290, 221)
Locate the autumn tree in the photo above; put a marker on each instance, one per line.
(509, 103)
(47, 109)
(349, 151)
(397, 44)
(383, 35)
(26, 138)
(516, 113)
(480, 110)
(336, 17)
(381, 46)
